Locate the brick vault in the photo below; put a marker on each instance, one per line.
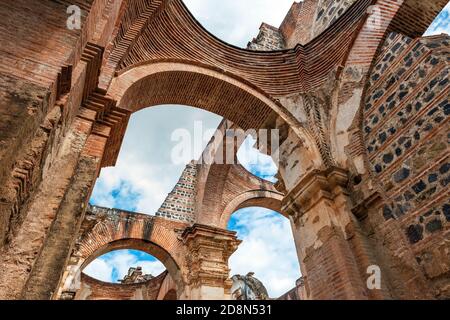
(360, 97)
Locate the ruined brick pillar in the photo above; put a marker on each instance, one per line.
(207, 262)
(323, 227)
(50, 264)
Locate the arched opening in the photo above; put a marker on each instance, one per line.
(236, 99)
(128, 270)
(255, 162)
(221, 17)
(267, 250)
(123, 275)
(124, 266)
(145, 172)
(208, 88)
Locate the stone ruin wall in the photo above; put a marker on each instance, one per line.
(52, 140)
(406, 140)
(406, 133)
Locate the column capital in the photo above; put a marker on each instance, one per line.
(314, 186)
(209, 250)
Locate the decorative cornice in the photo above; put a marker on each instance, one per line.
(209, 250)
(314, 186)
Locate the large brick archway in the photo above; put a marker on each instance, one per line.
(205, 87)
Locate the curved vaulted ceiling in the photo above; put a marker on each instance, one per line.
(165, 31)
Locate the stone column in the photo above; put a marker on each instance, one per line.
(323, 224)
(208, 250)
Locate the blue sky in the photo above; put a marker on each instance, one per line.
(144, 174)
(442, 23)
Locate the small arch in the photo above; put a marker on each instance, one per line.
(255, 198)
(145, 246)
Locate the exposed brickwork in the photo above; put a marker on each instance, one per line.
(180, 203)
(277, 82)
(297, 25)
(405, 130)
(361, 186)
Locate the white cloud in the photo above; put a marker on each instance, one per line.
(115, 265)
(256, 162)
(441, 23)
(237, 21)
(267, 249)
(100, 270)
(144, 173)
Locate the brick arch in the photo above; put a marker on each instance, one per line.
(123, 230)
(228, 188)
(135, 244)
(207, 88)
(167, 30)
(255, 198)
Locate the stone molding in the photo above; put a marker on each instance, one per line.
(209, 250)
(314, 186)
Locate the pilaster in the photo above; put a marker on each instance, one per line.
(207, 262)
(323, 227)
